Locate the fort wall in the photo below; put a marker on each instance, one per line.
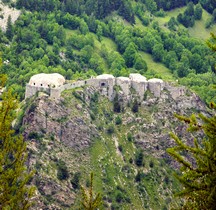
(104, 83)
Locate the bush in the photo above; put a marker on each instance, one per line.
(32, 107)
(116, 104)
(34, 135)
(139, 158)
(119, 197)
(62, 170)
(139, 176)
(120, 148)
(135, 106)
(110, 129)
(75, 180)
(129, 137)
(118, 120)
(151, 164)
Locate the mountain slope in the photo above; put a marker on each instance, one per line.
(80, 133)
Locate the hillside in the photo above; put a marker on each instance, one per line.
(80, 133)
(123, 141)
(130, 36)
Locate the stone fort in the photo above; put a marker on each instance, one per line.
(54, 84)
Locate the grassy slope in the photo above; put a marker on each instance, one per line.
(158, 68)
(173, 13)
(108, 162)
(197, 31)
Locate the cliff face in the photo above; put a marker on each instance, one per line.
(52, 118)
(80, 133)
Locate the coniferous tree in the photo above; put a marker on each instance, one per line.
(14, 176)
(198, 12)
(89, 200)
(198, 178)
(9, 28)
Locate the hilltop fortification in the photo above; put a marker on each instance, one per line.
(54, 84)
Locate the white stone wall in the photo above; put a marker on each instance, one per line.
(125, 84)
(47, 80)
(139, 84)
(32, 90)
(156, 86)
(104, 83)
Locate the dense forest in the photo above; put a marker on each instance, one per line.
(83, 38)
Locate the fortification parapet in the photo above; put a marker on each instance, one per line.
(156, 86)
(139, 83)
(32, 90)
(105, 83)
(125, 84)
(44, 82)
(53, 84)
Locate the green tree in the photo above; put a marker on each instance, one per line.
(198, 12)
(89, 200)
(9, 28)
(212, 42)
(129, 54)
(140, 63)
(157, 52)
(198, 179)
(139, 158)
(172, 23)
(214, 15)
(14, 176)
(99, 32)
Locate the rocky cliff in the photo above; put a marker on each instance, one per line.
(123, 142)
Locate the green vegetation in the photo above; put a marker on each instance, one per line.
(198, 161)
(89, 200)
(78, 39)
(152, 42)
(15, 193)
(197, 178)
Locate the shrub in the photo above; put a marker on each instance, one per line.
(120, 148)
(118, 120)
(75, 180)
(129, 137)
(32, 107)
(139, 158)
(151, 164)
(110, 129)
(62, 170)
(34, 135)
(135, 106)
(116, 105)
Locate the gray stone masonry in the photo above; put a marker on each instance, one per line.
(104, 83)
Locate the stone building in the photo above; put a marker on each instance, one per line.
(156, 86)
(49, 83)
(54, 84)
(125, 84)
(139, 84)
